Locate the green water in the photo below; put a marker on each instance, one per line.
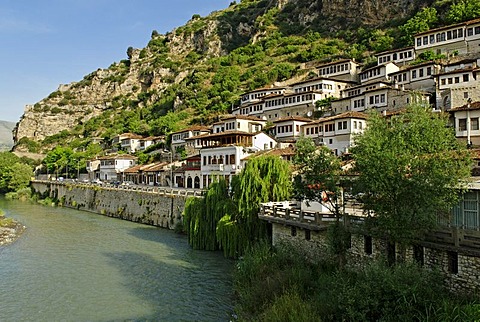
(71, 265)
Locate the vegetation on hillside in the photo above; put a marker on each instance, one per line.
(270, 48)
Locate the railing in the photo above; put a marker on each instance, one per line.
(290, 213)
(180, 192)
(455, 237)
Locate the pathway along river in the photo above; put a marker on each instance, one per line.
(71, 265)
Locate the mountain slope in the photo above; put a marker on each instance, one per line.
(198, 71)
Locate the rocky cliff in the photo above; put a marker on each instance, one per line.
(169, 59)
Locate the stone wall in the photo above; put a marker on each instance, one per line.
(147, 207)
(461, 270)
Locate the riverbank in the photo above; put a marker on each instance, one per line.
(10, 231)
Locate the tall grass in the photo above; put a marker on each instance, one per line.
(281, 285)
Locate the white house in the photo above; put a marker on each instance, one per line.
(417, 77)
(336, 132)
(400, 56)
(222, 153)
(178, 137)
(378, 73)
(289, 128)
(461, 38)
(111, 166)
(344, 69)
(458, 83)
(130, 142)
(466, 121)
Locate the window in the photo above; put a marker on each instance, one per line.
(368, 245)
(457, 80)
(429, 71)
(477, 30)
(414, 74)
(418, 254)
(432, 39)
(462, 124)
(420, 71)
(465, 95)
(474, 123)
(419, 42)
(425, 40)
(470, 32)
(465, 77)
(293, 231)
(452, 262)
(307, 234)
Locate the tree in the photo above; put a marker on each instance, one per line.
(422, 21)
(410, 168)
(18, 176)
(463, 10)
(319, 179)
(264, 179)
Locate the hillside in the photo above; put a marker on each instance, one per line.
(6, 138)
(197, 71)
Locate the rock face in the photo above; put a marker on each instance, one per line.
(164, 61)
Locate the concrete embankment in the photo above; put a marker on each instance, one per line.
(147, 205)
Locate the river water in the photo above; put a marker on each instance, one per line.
(71, 265)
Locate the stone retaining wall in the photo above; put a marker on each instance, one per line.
(461, 269)
(147, 207)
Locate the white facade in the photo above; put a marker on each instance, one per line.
(378, 73)
(345, 69)
(336, 132)
(289, 128)
(460, 38)
(225, 160)
(398, 56)
(466, 120)
(239, 123)
(111, 166)
(178, 138)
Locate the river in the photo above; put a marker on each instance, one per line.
(72, 265)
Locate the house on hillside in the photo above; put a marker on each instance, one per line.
(400, 56)
(466, 122)
(222, 152)
(344, 70)
(457, 83)
(336, 132)
(110, 167)
(178, 138)
(461, 38)
(289, 128)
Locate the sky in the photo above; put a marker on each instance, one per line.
(50, 42)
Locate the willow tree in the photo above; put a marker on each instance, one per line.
(264, 179)
(410, 169)
(201, 216)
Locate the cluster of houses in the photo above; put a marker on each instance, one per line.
(330, 109)
(270, 120)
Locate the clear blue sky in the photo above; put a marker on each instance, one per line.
(45, 43)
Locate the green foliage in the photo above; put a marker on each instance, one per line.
(410, 167)
(463, 10)
(279, 285)
(15, 173)
(422, 21)
(318, 174)
(218, 221)
(31, 146)
(202, 215)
